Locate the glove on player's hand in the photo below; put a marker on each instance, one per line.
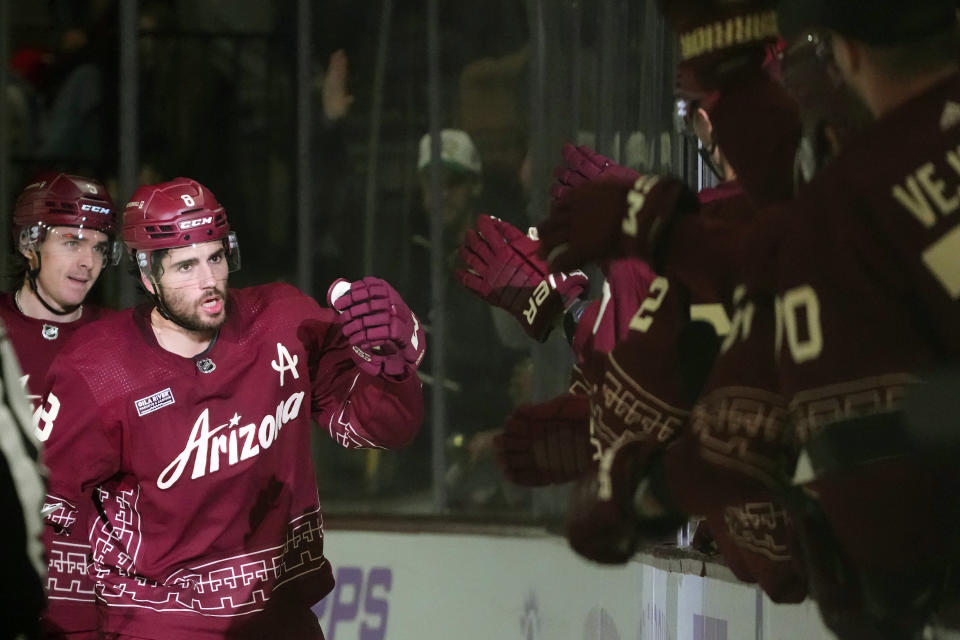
(546, 443)
(609, 220)
(603, 524)
(719, 40)
(385, 335)
(503, 269)
(583, 164)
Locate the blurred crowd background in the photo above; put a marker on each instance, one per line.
(311, 122)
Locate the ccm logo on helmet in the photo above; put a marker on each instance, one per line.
(94, 208)
(199, 222)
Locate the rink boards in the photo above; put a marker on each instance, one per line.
(431, 586)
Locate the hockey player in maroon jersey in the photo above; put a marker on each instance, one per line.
(64, 229)
(191, 414)
(640, 361)
(550, 442)
(642, 392)
(867, 251)
(869, 301)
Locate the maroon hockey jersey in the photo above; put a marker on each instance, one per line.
(730, 462)
(70, 598)
(869, 301)
(37, 342)
(866, 291)
(607, 320)
(210, 522)
(639, 385)
(645, 387)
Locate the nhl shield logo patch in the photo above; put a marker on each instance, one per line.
(50, 332)
(206, 365)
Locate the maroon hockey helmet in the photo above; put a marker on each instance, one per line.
(61, 200)
(178, 213)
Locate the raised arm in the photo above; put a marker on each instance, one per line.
(366, 392)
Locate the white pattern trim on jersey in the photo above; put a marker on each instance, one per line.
(122, 531)
(226, 587)
(58, 513)
(68, 567)
(347, 436)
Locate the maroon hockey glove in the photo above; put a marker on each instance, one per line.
(603, 522)
(609, 220)
(546, 443)
(720, 41)
(385, 335)
(583, 164)
(503, 269)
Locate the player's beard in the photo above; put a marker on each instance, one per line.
(187, 312)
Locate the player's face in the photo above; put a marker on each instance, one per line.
(71, 260)
(193, 285)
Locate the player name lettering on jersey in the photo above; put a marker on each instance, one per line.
(929, 196)
(925, 193)
(239, 443)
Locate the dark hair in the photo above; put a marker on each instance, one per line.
(927, 54)
(879, 23)
(155, 269)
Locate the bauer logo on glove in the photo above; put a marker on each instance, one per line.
(504, 270)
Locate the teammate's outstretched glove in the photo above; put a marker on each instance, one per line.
(603, 522)
(607, 220)
(547, 443)
(504, 270)
(583, 164)
(384, 334)
(719, 40)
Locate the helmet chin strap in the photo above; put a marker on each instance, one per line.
(706, 155)
(32, 279)
(159, 302)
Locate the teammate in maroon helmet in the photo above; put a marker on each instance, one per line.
(64, 228)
